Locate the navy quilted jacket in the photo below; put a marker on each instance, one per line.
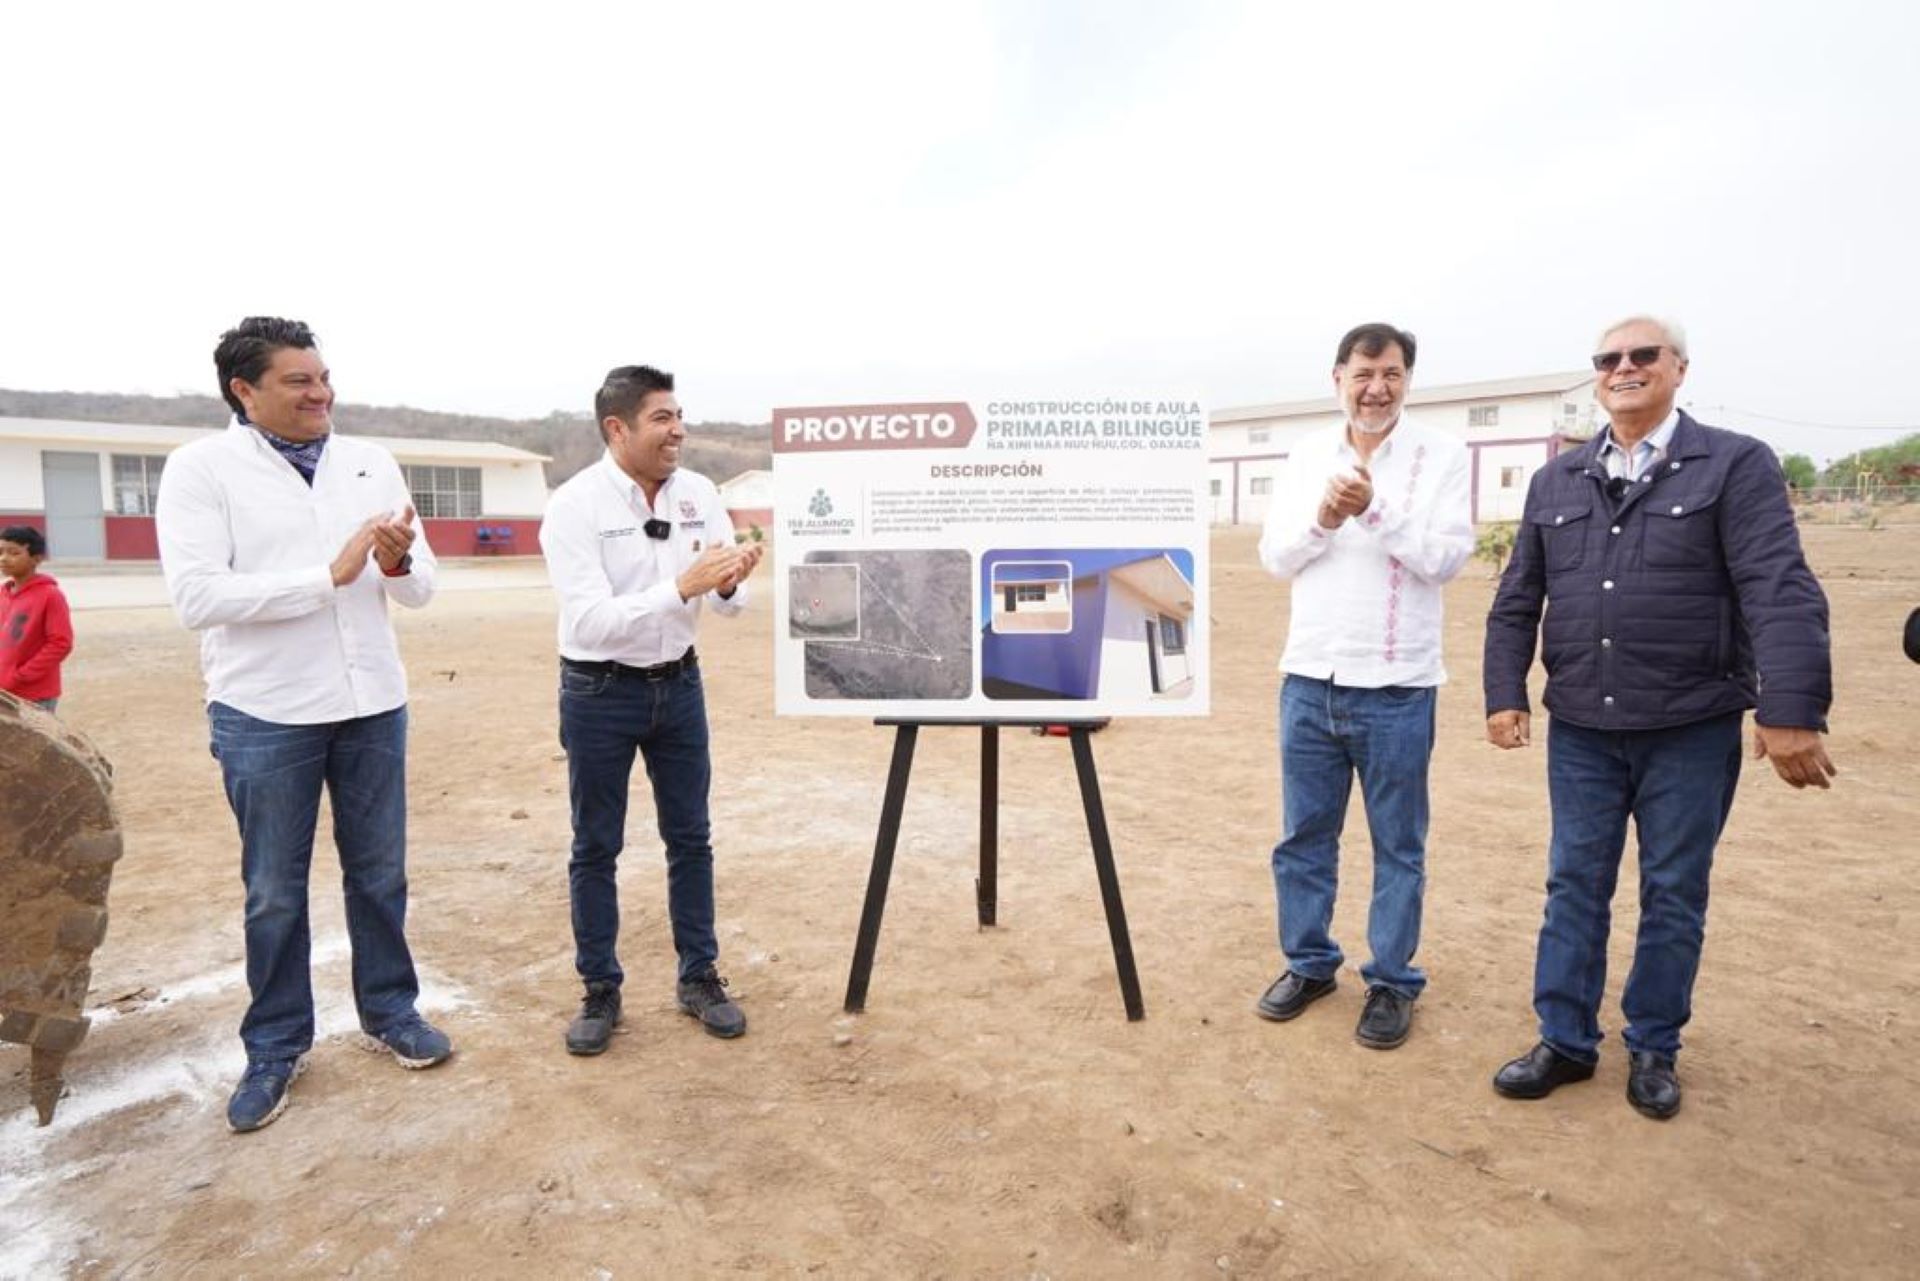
(1685, 598)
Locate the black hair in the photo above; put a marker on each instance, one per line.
(247, 349)
(623, 391)
(1372, 339)
(26, 536)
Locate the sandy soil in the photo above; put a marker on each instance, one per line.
(992, 1112)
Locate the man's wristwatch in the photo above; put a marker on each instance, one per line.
(401, 570)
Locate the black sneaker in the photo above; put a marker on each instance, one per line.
(1290, 994)
(599, 1015)
(704, 996)
(1386, 1020)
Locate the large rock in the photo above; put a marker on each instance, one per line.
(59, 840)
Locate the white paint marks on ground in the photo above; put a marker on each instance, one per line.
(38, 1237)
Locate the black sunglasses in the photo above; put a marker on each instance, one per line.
(1639, 357)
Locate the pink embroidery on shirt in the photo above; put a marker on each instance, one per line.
(1395, 571)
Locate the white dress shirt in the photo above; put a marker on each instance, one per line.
(618, 598)
(1366, 596)
(248, 547)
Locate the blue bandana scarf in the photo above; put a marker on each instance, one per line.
(304, 457)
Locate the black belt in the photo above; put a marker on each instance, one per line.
(658, 672)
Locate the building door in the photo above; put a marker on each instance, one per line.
(76, 528)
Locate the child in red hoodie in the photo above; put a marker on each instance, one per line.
(36, 631)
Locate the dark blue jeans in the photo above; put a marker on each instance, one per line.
(1677, 785)
(273, 775)
(605, 717)
(1329, 733)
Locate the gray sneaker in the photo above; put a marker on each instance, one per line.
(704, 996)
(599, 1014)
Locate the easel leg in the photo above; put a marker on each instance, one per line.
(1109, 879)
(986, 890)
(883, 846)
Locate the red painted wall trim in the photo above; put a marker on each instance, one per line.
(132, 538)
(462, 537)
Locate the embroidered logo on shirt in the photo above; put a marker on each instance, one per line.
(690, 512)
(627, 532)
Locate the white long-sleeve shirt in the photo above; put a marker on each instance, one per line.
(618, 598)
(1366, 596)
(248, 549)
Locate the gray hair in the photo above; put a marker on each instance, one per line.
(1676, 336)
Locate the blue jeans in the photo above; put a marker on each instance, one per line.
(1677, 785)
(273, 775)
(605, 717)
(1328, 733)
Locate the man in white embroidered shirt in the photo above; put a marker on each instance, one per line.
(1372, 520)
(633, 544)
(282, 544)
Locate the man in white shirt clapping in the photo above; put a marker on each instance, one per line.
(634, 544)
(1372, 519)
(282, 544)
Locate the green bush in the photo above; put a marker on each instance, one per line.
(1495, 544)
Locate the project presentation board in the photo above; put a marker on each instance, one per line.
(1011, 558)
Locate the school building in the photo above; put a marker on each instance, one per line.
(1512, 426)
(90, 487)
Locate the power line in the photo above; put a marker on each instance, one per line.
(1801, 422)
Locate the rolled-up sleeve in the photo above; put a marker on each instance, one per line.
(1292, 537)
(1433, 543)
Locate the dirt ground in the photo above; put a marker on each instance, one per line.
(992, 1112)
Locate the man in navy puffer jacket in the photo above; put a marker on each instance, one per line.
(1665, 557)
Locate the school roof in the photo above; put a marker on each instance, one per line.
(1497, 389)
(152, 438)
(1148, 570)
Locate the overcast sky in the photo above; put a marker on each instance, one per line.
(482, 208)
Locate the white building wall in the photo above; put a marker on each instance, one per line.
(1519, 436)
(1124, 670)
(20, 486)
(1513, 464)
(513, 489)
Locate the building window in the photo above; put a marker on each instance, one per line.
(1213, 487)
(1258, 435)
(1260, 485)
(1510, 477)
(136, 483)
(1483, 415)
(444, 492)
(1029, 591)
(1173, 636)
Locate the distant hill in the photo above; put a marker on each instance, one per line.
(718, 451)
